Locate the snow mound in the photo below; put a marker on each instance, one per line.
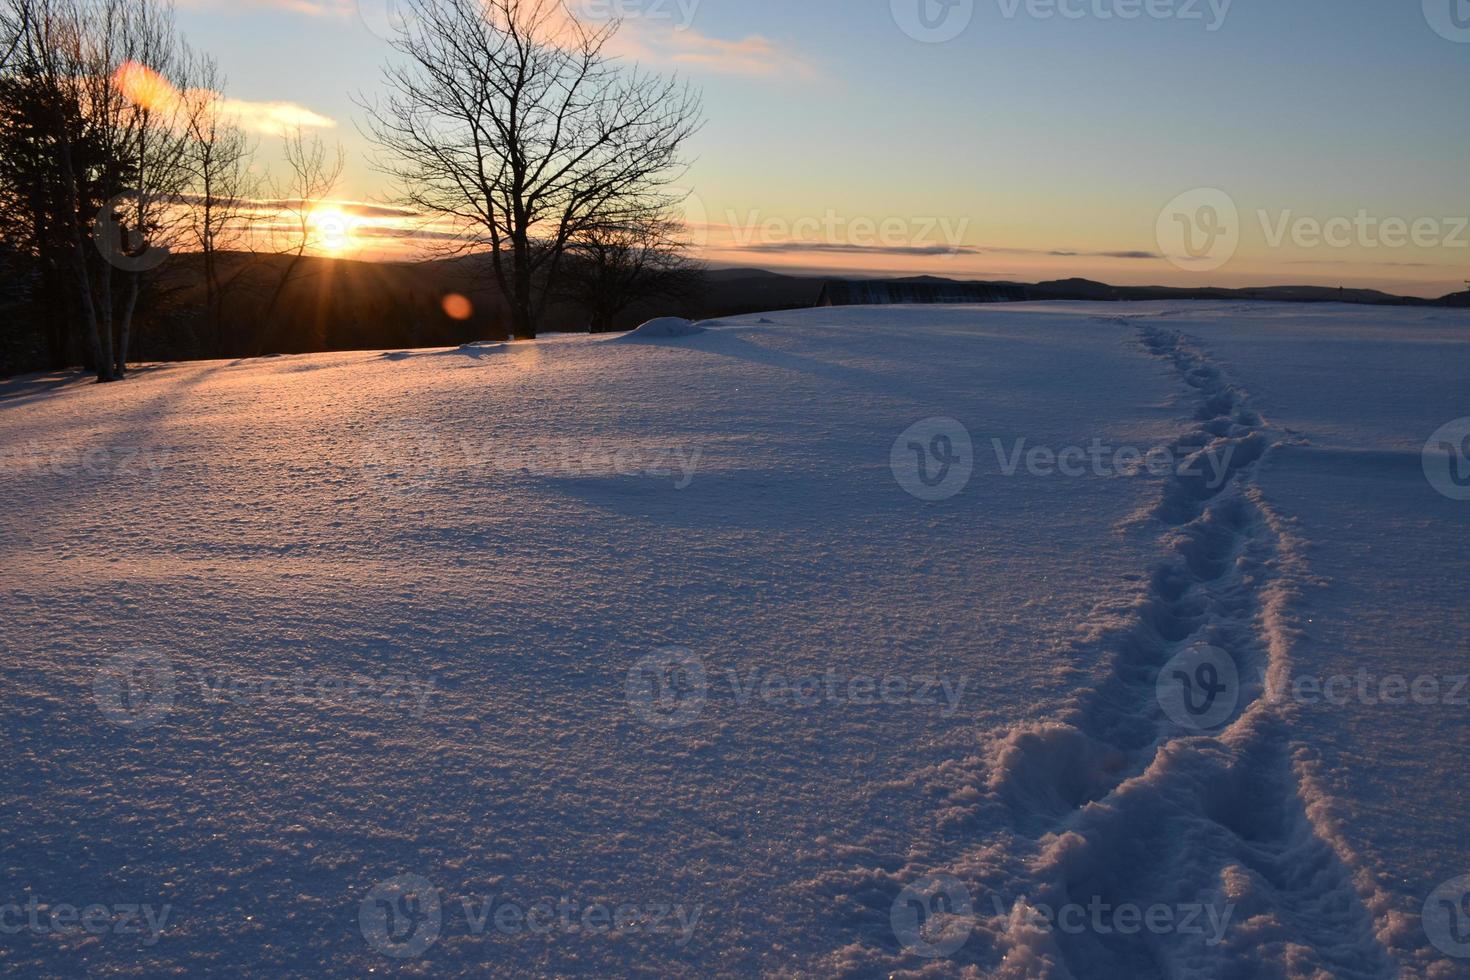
(476, 350)
(663, 328)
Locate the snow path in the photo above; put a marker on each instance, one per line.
(1116, 801)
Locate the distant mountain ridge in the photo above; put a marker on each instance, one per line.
(1081, 289)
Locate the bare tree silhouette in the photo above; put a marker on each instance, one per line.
(219, 160)
(508, 120)
(614, 265)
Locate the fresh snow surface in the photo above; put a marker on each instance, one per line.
(359, 662)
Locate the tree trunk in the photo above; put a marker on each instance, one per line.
(101, 356)
(125, 327)
(523, 320)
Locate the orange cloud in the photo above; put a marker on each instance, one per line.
(147, 89)
(668, 39)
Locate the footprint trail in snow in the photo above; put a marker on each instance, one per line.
(1119, 803)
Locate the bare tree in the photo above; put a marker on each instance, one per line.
(222, 185)
(509, 119)
(313, 174)
(613, 266)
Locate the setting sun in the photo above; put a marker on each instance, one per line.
(332, 230)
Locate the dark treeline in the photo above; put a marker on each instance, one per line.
(135, 223)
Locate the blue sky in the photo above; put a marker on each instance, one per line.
(837, 140)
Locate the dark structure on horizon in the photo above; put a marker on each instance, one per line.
(929, 289)
(888, 292)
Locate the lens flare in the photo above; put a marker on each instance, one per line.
(457, 307)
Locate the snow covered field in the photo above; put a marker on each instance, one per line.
(1002, 640)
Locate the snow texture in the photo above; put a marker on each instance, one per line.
(292, 641)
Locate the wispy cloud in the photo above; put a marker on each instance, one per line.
(272, 118)
(923, 249)
(853, 248)
(309, 8)
(661, 43)
(356, 209)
